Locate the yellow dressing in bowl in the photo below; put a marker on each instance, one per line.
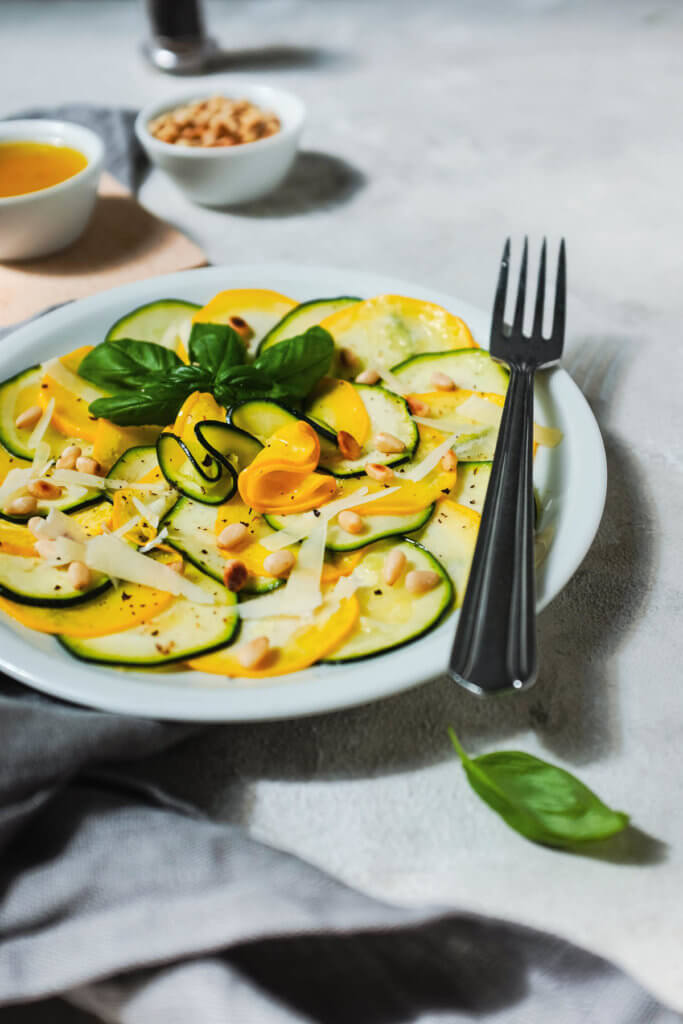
(32, 166)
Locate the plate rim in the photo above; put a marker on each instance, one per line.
(200, 698)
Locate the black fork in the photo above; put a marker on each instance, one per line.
(495, 643)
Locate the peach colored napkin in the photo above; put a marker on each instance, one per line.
(122, 243)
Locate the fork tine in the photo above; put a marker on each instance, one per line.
(521, 292)
(559, 315)
(498, 319)
(537, 329)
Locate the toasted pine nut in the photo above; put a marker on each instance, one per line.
(348, 445)
(417, 407)
(442, 382)
(178, 567)
(84, 464)
(233, 536)
(45, 548)
(67, 460)
(235, 574)
(379, 472)
(242, 328)
(419, 581)
(44, 489)
(389, 444)
(254, 653)
(28, 418)
(22, 506)
(34, 524)
(368, 376)
(350, 521)
(280, 563)
(348, 358)
(79, 575)
(393, 566)
(449, 462)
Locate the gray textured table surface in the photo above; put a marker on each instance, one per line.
(434, 130)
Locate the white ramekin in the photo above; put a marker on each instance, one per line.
(227, 175)
(38, 223)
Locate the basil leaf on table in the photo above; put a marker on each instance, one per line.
(126, 363)
(216, 347)
(297, 364)
(542, 802)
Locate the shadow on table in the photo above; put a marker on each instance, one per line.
(317, 181)
(278, 57)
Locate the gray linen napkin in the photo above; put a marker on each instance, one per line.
(138, 908)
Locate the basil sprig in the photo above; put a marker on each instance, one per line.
(149, 383)
(542, 802)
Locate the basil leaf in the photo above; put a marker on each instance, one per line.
(156, 403)
(295, 365)
(126, 363)
(542, 802)
(245, 384)
(216, 347)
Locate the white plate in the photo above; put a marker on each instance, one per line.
(571, 480)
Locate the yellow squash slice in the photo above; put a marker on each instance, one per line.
(291, 650)
(339, 405)
(282, 478)
(259, 308)
(383, 331)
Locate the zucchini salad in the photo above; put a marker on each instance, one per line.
(248, 487)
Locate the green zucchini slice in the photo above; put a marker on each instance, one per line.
(262, 419)
(14, 439)
(34, 581)
(393, 616)
(227, 443)
(374, 528)
(388, 414)
(191, 531)
(303, 316)
(135, 463)
(196, 474)
(152, 321)
(451, 536)
(471, 482)
(185, 629)
(470, 368)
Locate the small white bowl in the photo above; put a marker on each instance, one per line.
(227, 175)
(38, 223)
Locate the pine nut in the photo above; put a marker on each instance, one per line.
(350, 521)
(449, 462)
(368, 377)
(419, 581)
(67, 460)
(280, 563)
(22, 506)
(84, 464)
(348, 445)
(235, 574)
(417, 407)
(389, 444)
(28, 418)
(393, 566)
(35, 525)
(379, 472)
(254, 653)
(242, 328)
(79, 575)
(233, 536)
(177, 567)
(442, 382)
(349, 358)
(44, 489)
(46, 548)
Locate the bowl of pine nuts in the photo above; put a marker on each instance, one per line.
(223, 150)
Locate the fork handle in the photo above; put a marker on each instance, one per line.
(495, 643)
